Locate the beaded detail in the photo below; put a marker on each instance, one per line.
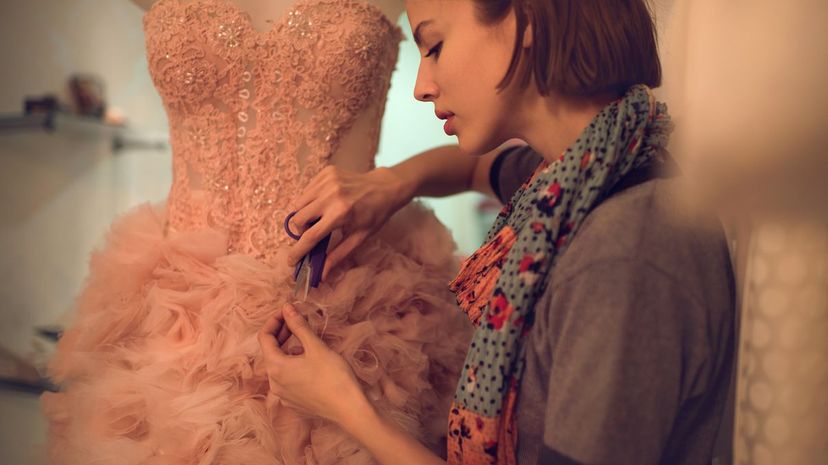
(255, 115)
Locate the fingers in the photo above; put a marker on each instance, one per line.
(343, 250)
(268, 340)
(272, 325)
(310, 238)
(283, 336)
(306, 214)
(299, 327)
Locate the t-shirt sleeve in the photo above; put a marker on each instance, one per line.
(615, 383)
(511, 168)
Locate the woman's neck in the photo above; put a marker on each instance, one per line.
(551, 124)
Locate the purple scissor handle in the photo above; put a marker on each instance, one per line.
(315, 260)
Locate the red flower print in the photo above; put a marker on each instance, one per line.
(499, 310)
(549, 198)
(506, 210)
(479, 422)
(554, 190)
(490, 448)
(564, 234)
(585, 160)
(530, 267)
(526, 263)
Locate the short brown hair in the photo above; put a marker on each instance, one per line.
(580, 47)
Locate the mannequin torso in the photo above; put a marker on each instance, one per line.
(264, 12)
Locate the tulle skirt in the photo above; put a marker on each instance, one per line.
(160, 363)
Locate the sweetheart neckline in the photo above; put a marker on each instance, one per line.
(284, 16)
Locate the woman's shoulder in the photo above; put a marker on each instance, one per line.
(654, 224)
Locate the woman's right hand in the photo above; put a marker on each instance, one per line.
(357, 204)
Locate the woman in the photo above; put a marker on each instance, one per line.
(604, 321)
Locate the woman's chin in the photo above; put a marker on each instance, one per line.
(469, 145)
(477, 146)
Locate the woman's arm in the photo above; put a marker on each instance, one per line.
(385, 441)
(360, 203)
(445, 171)
(319, 382)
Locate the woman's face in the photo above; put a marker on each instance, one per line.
(462, 61)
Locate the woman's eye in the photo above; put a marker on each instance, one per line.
(435, 50)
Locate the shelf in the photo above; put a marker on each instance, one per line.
(119, 136)
(56, 121)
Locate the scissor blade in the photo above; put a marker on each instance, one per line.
(307, 284)
(302, 283)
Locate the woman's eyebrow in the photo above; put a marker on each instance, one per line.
(417, 31)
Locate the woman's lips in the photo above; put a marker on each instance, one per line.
(449, 127)
(449, 117)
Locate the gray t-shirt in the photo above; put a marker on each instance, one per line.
(630, 358)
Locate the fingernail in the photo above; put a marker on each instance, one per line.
(289, 311)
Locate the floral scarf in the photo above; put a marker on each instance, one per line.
(499, 284)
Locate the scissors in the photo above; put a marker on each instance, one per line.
(308, 272)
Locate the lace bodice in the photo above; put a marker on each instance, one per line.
(255, 115)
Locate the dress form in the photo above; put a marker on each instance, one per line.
(166, 348)
(264, 12)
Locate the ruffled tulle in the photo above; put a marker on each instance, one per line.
(160, 364)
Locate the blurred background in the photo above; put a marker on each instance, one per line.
(745, 81)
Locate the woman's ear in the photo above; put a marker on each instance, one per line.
(527, 36)
(527, 32)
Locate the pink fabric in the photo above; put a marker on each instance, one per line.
(160, 364)
(255, 115)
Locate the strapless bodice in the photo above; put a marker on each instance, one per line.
(255, 115)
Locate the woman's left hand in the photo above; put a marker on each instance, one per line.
(319, 381)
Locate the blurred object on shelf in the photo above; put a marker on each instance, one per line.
(87, 93)
(114, 116)
(88, 101)
(88, 115)
(47, 103)
(51, 333)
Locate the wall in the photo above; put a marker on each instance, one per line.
(62, 190)
(67, 186)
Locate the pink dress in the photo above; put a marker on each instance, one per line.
(160, 364)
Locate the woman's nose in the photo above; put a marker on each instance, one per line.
(425, 90)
